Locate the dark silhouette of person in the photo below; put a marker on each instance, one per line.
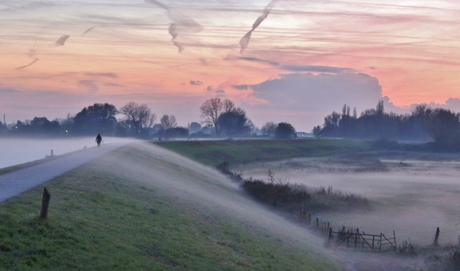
(98, 139)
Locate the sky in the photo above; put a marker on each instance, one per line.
(284, 60)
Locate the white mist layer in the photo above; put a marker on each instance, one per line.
(413, 198)
(206, 193)
(23, 150)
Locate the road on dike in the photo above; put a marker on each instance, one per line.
(14, 183)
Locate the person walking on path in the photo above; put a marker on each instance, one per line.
(98, 140)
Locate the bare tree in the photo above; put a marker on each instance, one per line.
(229, 106)
(269, 128)
(168, 121)
(153, 119)
(138, 115)
(210, 112)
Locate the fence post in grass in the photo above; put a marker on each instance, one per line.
(356, 238)
(394, 236)
(330, 234)
(45, 204)
(435, 243)
(317, 222)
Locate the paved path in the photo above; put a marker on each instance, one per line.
(14, 183)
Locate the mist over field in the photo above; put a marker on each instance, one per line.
(412, 197)
(23, 150)
(205, 191)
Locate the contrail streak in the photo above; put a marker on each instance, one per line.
(88, 30)
(180, 24)
(244, 42)
(173, 32)
(61, 41)
(28, 65)
(158, 4)
(33, 52)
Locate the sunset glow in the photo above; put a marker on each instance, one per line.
(305, 59)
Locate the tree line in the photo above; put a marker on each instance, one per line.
(219, 118)
(424, 123)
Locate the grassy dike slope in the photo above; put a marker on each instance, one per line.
(146, 208)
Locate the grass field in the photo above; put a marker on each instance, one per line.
(212, 153)
(102, 220)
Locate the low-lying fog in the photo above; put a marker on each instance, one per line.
(412, 197)
(203, 191)
(23, 150)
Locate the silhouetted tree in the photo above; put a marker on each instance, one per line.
(234, 123)
(331, 124)
(67, 124)
(43, 126)
(168, 121)
(138, 116)
(176, 132)
(194, 127)
(269, 128)
(444, 127)
(284, 130)
(380, 109)
(98, 118)
(229, 106)
(317, 131)
(210, 112)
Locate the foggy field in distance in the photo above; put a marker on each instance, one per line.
(23, 150)
(412, 197)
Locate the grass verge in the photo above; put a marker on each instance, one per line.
(101, 221)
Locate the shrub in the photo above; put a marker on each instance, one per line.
(300, 198)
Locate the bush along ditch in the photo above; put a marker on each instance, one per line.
(302, 202)
(298, 200)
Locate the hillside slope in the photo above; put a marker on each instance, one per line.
(145, 208)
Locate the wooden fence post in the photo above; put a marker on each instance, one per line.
(317, 222)
(45, 204)
(330, 234)
(435, 243)
(394, 236)
(356, 238)
(373, 242)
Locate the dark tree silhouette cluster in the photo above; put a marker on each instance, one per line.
(227, 119)
(220, 118)
(440, 125)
